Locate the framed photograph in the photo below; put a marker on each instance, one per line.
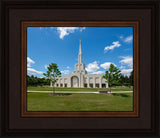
(86, 90)
(76, 68)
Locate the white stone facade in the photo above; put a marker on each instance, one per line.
(80, 79)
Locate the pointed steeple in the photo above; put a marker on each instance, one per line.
(80, 53)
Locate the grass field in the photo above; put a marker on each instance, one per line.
(79, 102)
(47, 88)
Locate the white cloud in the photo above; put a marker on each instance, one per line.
(106, 65)
(45, 66)
(29, 62)
(122, 67)
(65, 72)
(111, 47)
(82, 28)
(68, 67)
(128, 39)
(121, 36)
(98, 72)
(33, 71)
(63, 31)
(127, 61)
(126, 72)
(92, 67)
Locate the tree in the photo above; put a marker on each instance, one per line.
(52, 74)
(131, 78)
(35, 81)
(122, 79)
(112, 75)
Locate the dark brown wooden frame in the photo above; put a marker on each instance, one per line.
(148, 15)
(25, 24)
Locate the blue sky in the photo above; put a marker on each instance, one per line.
(100, 47)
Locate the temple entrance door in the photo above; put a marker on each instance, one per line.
(74, 81)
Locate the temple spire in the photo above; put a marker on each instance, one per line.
(80, 53)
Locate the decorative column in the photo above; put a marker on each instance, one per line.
(100, 82)
(59, 82)
(88, 82)
(79, 81)
(63, 82)
(69, 84)
(94, 83)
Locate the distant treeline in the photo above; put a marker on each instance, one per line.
(124, 80)
(35, 81)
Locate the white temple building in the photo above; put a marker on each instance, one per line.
(80, 79)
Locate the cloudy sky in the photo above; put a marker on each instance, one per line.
(101, 46)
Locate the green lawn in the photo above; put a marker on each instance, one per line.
(79, 102)
(45, 88)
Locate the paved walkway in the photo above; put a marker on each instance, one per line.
(78, 92)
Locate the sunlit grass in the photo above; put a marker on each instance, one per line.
(80, 102)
